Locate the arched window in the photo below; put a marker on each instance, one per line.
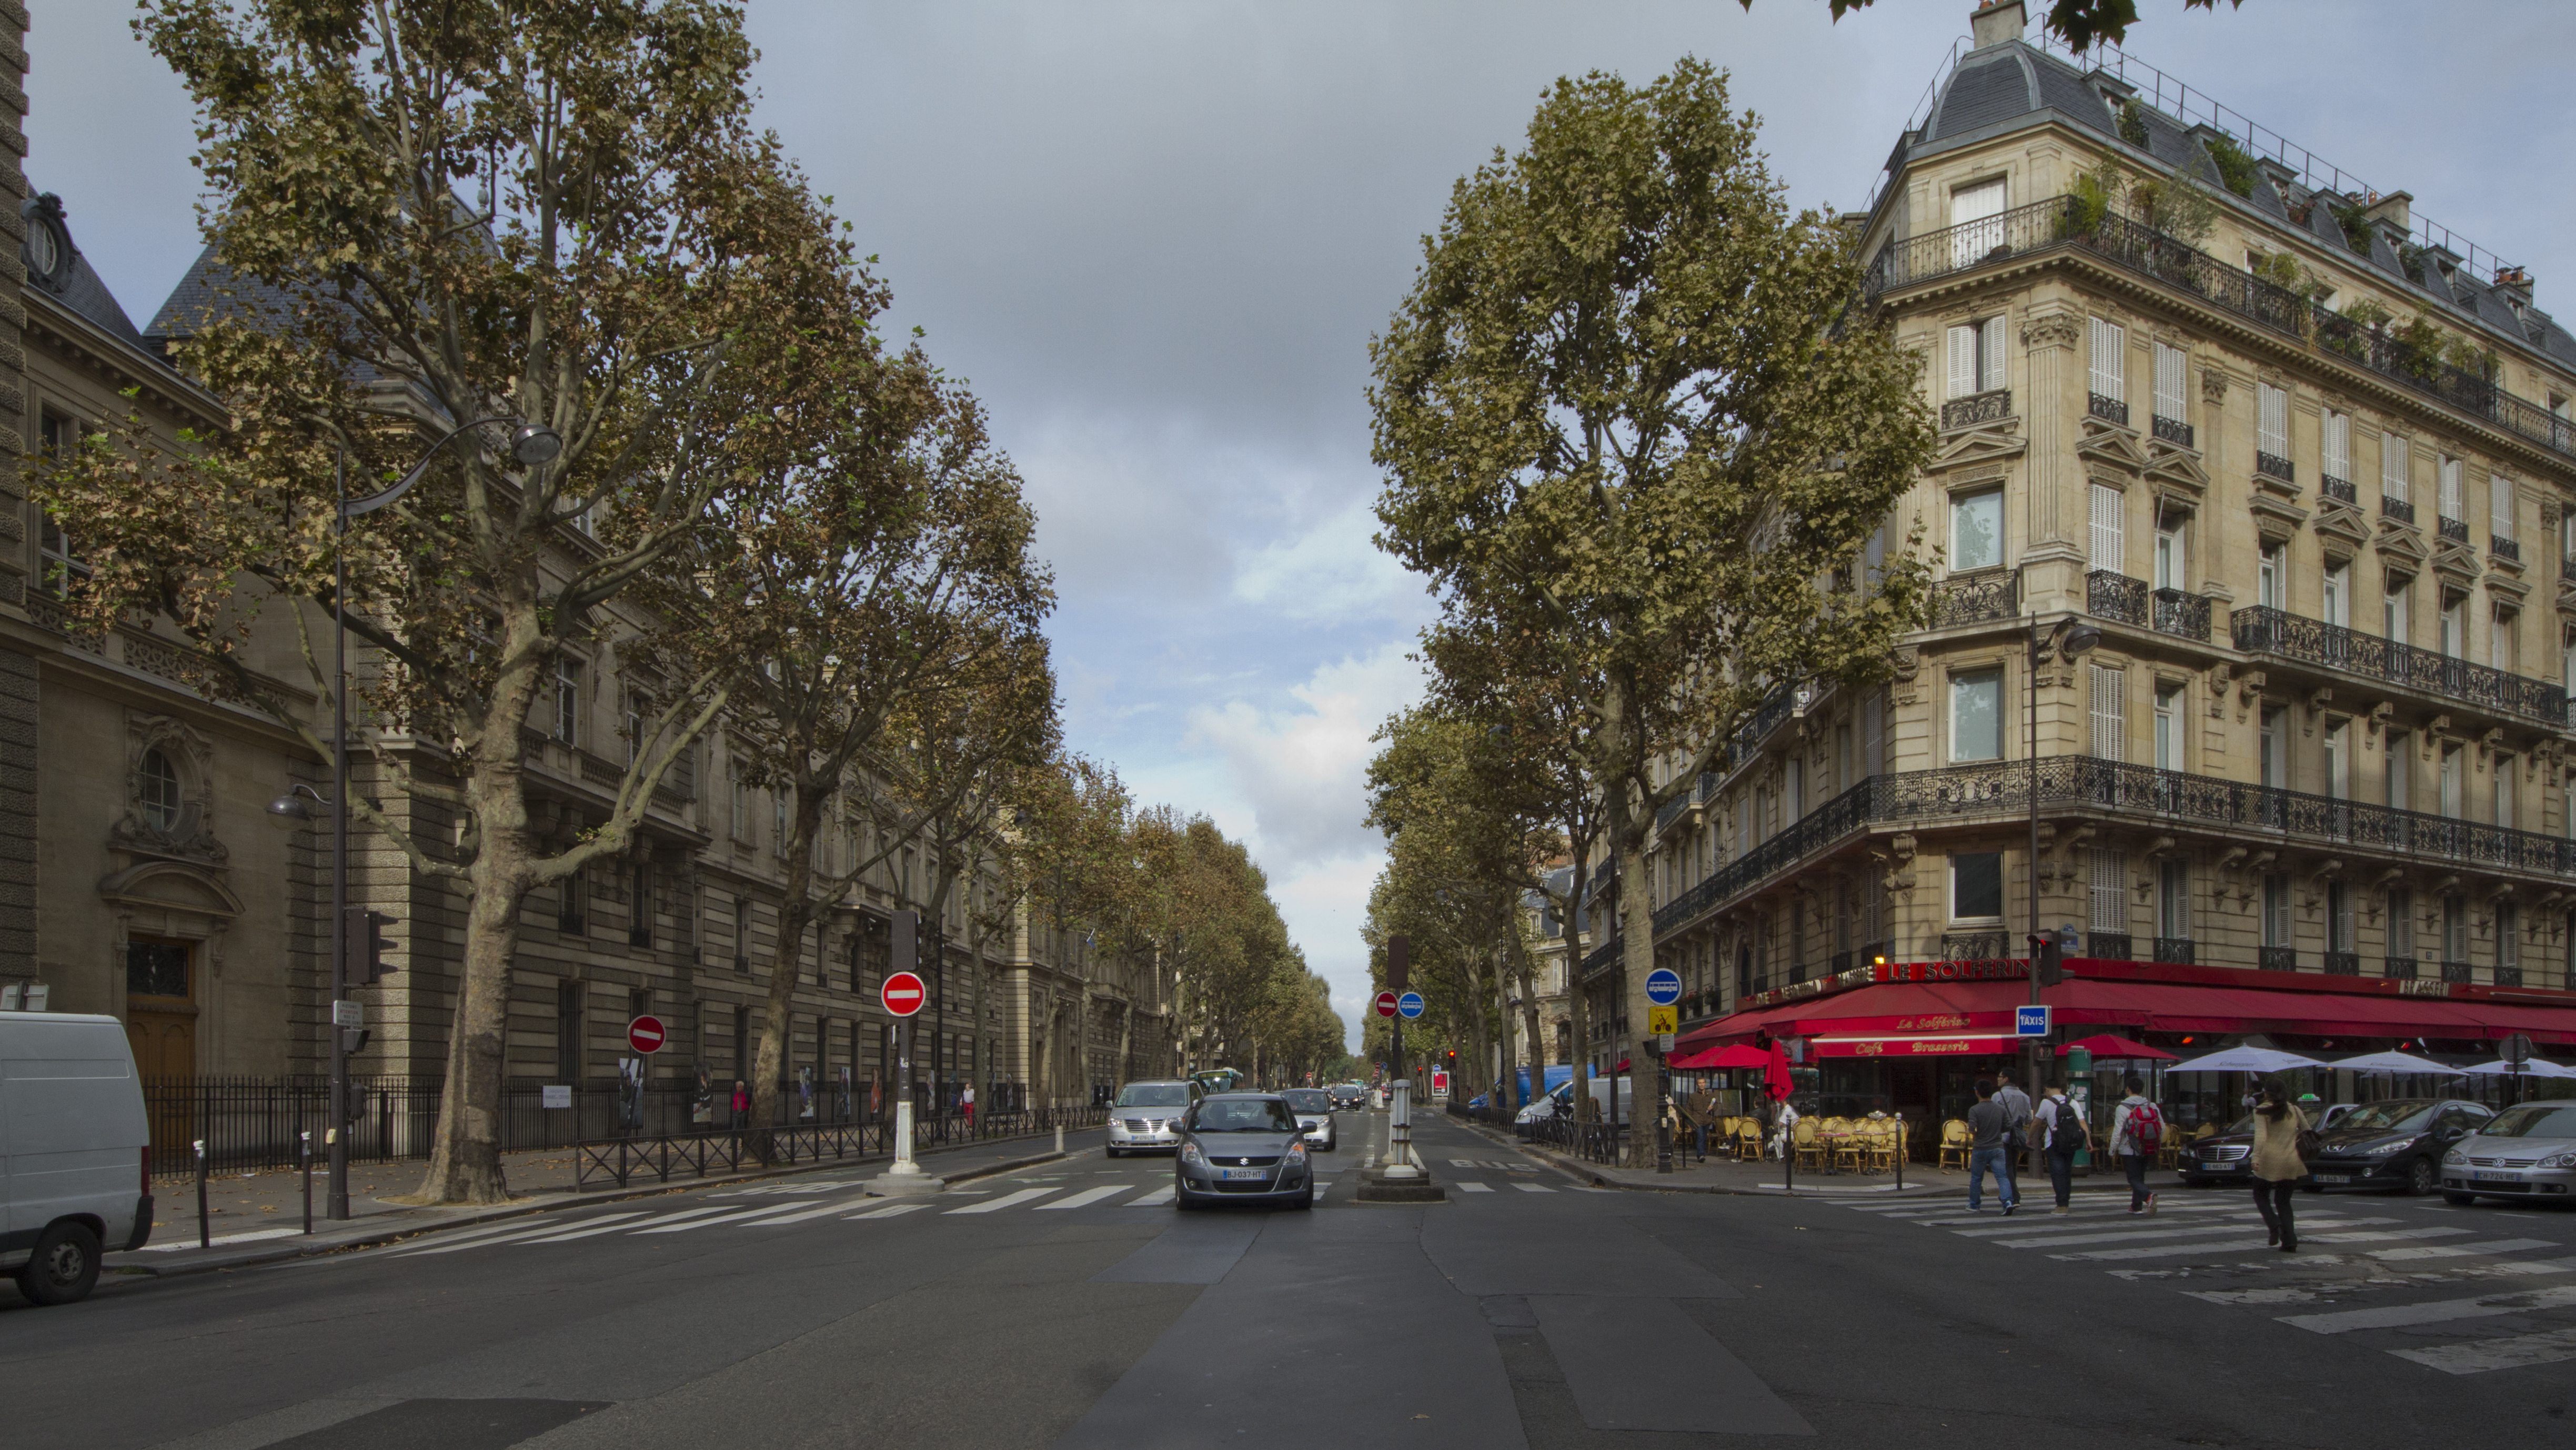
(158, 781)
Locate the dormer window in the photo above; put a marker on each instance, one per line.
(47, 248)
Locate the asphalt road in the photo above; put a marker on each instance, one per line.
(1070, 1305)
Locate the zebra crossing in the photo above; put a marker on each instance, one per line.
(2389, 1267)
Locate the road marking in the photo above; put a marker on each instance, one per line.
(525, 1232)
(1533, 1188)
(221, 1239)
(2438, 1311)
(1159, 1195)
(714, 1219)
(2477, 1356)
(1466, 1186)
(1995, 1230)
(893, 1209)
(799, 1217)
(1005, 1201)
(2453, 1251)
(605, 1223)
(2055, 1241)
(1087, 1197)
(2238, 1246)
(461, 1236)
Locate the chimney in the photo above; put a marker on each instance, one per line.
(2515, 284)
(2396, 209)
(1995, 22)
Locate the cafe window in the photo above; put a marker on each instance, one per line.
(1977, 887)
(1976, 715)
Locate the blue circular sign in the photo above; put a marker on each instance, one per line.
(1663, 986)
(1410, 1004)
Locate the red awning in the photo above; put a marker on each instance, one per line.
(2109, 1045)
(1739, 1055)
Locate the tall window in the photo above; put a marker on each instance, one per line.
(2338, 760)
(778, 820)
(1793, 783)
(2170, 571)
(2393, 473)
(2455, 625)
(1981, 202)
(157, 783)
(633, 725)
(2109, 548)
(1977, 886)
(2455, 929)
(2502, 629)
(639, 911)
(2276, 909)
(2274, 746)
(2109, 899)
(574, 901)
(1976, 530)
(2337, 595)
(2396, 605)
(2335, 434)
(2169, 727)
(2109, 375)
(2450, 783)
(2110, 732)
(2401, 924)
(2453, 506)
(1976, 356)
(2508, 939)
(2401, 775)
(2504, 792)
(2500, 514)
(738, 820)
(568, 1044)
(2169, 382)
(2267, 576)
(2173, 899)
(567, 699)
(1976, 715)
(2272, 420)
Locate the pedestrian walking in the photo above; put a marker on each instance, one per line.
(968, 1099)
(2062, 1135)
(741, 1105)
(1990, 1127)
(2137, 1131)
(2015, 1103)
(2278, 1165)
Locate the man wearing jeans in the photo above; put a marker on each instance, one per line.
(1990, 1130)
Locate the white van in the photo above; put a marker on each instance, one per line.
(75, 1151)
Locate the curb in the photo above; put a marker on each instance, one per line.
(1585, 1173)
(252, 1258)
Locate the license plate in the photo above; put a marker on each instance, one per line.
(2334, 1178)
(1247, 1173)
(2486, 1177)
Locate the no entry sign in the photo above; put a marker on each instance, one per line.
(901, 994)
(645, 1034)
(1386, 1004)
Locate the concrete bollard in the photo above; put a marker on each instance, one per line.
(1059, 1140)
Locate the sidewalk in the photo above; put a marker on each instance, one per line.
(1768, 1178)
(258, 1218)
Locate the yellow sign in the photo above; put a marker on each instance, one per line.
(1663, 1021)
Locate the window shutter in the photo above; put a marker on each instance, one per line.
(2110, 350)
(2451, 504)
(1963, 361)
(2110, 905)
(2500, 506)
(2110, 731)
(1990, 355)
(2338, 446)
(2109, 549)
(2273, 423)
(2392, 466)
(2169, 382)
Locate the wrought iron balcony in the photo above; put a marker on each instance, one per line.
(2277, 959)
(2455, 971)
(2173, 430)
(2393, 507)
(2115, 945)
(2455, 530)
(2508, 976)
(2343, 964)
(2398, 969)
(2273, 465)
(2109, 594)
(2264, 630)
(1976, 599)
(2067, 222)
(1987, 407)
(2504, 548)
(2339, 489)
(2175, 949)
(2109, 410)
(1972, 946)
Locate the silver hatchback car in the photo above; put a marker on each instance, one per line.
(1243, 1148)
(2524, 1152)
(1147, 1116)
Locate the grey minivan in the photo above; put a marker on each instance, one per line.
(1242, 1148)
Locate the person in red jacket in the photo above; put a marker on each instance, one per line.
(741, 1105)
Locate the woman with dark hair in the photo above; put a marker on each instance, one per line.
(2276, 1164)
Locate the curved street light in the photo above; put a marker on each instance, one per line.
(2069, 638)
(530, 444)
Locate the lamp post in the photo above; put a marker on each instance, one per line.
(530, 444)
(2069, 638)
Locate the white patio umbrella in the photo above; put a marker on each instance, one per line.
(2537, 1067)
(2396, 1062)
(2247, 1059)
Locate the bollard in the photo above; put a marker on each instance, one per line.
(1900, 1152)
(1059, 1140)
(307, 1136)
(205, 1236)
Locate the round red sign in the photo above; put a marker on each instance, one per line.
(645, 1034)
(901, 994)
(1386, 1004)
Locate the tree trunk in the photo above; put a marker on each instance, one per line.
(465, 1153)
(795, 914)
(1529, 1016)
(1577, 1018)
(1636, 960)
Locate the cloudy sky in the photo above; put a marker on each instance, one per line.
(1158, 236)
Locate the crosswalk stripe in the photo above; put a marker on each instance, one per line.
(2226, 1224)
(711, 1220)
(799, 1217)
(1087, 1197)
(605, 1223)
(1159, 1195)
(2134, 1236)
(471, 1235)
(1005, 1201)
(2477, 1356)
(1533, 1188)
(2087, 1215)
(1467, 1186)
(525, 1232)
(2240, 1246)
(594, 1226)
(2438, 1311)
(2453, 1251)
(893, 1210)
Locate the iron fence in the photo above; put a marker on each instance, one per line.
(1976, 599)
(1590, 1141)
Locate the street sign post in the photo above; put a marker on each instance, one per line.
(645, 1034)
(1439, 1082)
(902, 996)
(1663, 986)
(2030, 1021)
(1400, 1166)
(1386, 1004)
(1409, 1006)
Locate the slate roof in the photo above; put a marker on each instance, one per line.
(85, 292)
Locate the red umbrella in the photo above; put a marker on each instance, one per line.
(1775, 1078)
(1739, 1055)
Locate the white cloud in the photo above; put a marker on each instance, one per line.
(1331, 573)
(1301, 769)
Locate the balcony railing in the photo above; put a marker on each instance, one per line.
(2504, 548)
(2174, 431)
(1987, 407)
(2343, 964)
(2109, 594)
(2338, 489)
(1972, 946)
(2398, 969)
(2177, 950)
(2277, 959)
(2264, 630)
(2108, 409)
(2567, 569)
(2273, 465)
(2508, 976)
(2455, 530)
(2455, 971)
(2066, 221)
(2115, 945)
(2393, 507)
(1977, 599)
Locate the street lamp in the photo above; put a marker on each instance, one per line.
(2069, 638)
(530, 445)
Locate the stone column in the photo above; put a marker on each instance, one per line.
(2052, 554)
(19, 644)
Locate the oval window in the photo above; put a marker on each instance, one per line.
(160, 786)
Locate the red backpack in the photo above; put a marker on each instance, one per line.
(2146, 1130)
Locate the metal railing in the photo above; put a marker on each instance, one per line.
(2066, 221)
(1976, 599)
(2338, 489)
(1593, 1142)
(2106, 408)
(2504, 548)
(2343, 964)
(2174, 431)
(2265, 630)
(2393, 507)
(1992, 406)
(2455, 530)
(2277, 959)
(2398, 969)
(2273, 465)
(2178, 950)
(1973, 946)
(2109, 594)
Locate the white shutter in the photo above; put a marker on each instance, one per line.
(2452, 507)
(1990, 355)
(2500, 506)
(1963, 361)
(1975, 203)
(1873, 733)
(2110, 734)
(2110, 359)
(2393, 471)
(2272, 424)
(1969, 205)
(2338, 446)
(2110, 903)
(2169, 382)
(2109, 550)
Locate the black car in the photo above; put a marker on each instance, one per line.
(1349, 1095)
(2397, 1144)
(2219, 1158)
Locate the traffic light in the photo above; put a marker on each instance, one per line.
(2050, 962)
(365, 945)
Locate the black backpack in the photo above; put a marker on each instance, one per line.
(2070, 1136)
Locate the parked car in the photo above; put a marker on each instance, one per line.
(1350, 1095)
(2396, 1144)
(2525, 1152)
(75, 1152)
(2218, 1159)
(1314, 1110)
(1146, 1118)
(1243, 1148)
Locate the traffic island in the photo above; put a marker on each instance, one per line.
(1414, 1187)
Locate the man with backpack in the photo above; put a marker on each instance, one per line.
(2137, 1132)
(2062, 1135)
